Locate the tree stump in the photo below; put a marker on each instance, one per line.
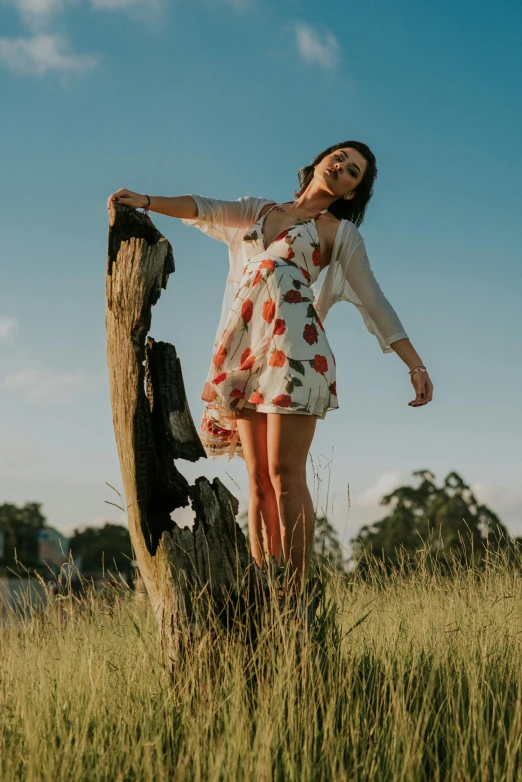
(153, 428)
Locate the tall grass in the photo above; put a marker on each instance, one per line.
(413, 676)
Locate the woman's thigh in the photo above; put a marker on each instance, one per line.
(289, 438)
(252, 427)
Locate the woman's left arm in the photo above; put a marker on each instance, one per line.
(362, 280)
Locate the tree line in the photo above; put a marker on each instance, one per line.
(445, 521)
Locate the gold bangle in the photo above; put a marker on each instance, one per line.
(419, 366)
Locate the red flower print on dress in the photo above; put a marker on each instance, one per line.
(247, 359)
(257, 278)
(269, 309)
(236, 393)
(283, 400)
(333, 388)
(319, 322)
(219, 379)
(316, 256)
(306, 274)
(281, 236)
(293, 297)
(290, 254)
(246, 310)
(310, 334)
(257, 398)
(320, 364)
(267, 264)
(220, 356)
(279, 326)
(277, 359)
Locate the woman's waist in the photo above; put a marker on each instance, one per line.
(268, 263)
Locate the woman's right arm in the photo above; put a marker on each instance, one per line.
(175, 206)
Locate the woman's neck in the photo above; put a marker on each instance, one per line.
(314, 199)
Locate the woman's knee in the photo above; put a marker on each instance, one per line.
(286, 477)
(260, 483)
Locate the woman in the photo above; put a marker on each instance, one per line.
(272, 372)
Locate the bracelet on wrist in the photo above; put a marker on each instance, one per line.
(418, 368)
(146, 208)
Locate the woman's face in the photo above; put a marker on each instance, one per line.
(340, 171)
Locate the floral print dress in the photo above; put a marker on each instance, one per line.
(273, 355)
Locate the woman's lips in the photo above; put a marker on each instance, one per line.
(332, 171)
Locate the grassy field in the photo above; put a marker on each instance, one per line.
(411, 678)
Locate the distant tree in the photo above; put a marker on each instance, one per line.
(327, 550)
(98, 548)
(449, 516)
(19, 525)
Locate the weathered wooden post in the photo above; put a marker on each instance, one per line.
(154, 427)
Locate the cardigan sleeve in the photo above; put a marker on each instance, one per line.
(379, 315)
(222, 220)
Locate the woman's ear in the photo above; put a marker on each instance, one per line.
(349, 196)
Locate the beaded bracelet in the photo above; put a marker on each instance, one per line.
(419, 366)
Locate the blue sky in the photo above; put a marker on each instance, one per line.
(230, 98)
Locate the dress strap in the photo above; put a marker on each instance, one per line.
(268, 211)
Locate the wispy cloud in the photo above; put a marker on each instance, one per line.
(7, 327)
(316, 48)
(38, 384)
(116, 5)
(42, 54)
(38, 12)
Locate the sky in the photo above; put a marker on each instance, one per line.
(228, 98)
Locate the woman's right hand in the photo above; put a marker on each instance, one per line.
(128, 198)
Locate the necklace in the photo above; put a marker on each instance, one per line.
(310, 214)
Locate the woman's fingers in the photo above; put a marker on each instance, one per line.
(423, 389)
(127, 198)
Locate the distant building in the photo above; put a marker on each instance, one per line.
(53, 547)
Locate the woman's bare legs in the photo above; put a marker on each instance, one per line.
(289, 438)
(263, 514)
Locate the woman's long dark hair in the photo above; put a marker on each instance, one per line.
(355, 208)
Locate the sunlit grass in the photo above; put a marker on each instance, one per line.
(408, 677)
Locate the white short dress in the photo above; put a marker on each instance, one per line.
(273, 355)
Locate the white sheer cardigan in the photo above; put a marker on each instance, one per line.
(348, 276)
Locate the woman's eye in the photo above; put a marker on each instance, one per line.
(353, 173)
(337, 157)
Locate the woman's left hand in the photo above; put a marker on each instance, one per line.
(423, 389)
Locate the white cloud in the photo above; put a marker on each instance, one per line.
(37, 384)
(385, 484)
(37, 12)
(314, 48)
(115, 5)
(43, 53)
(505, 501)
(7, 326)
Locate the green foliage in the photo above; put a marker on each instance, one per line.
(327, 551)
(98, 548)
(19, 525)
(448, 519)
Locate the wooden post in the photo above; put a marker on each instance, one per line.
(153, 427)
